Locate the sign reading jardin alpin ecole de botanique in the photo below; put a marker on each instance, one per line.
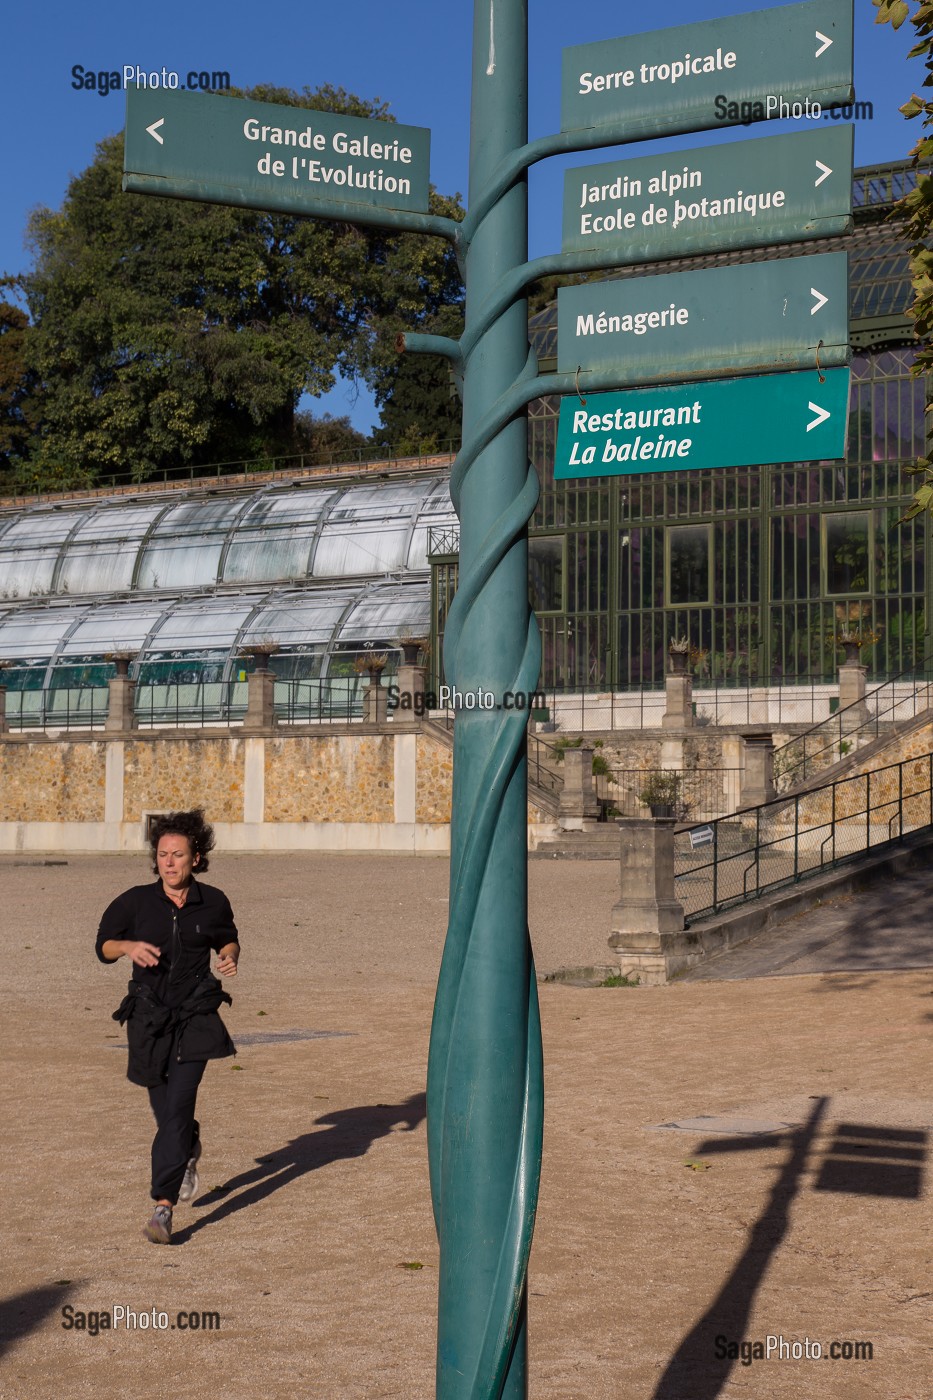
(263, 155)
(755, 318)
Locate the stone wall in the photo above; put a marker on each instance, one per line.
(275, 790)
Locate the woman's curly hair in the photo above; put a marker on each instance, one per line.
(192, 825)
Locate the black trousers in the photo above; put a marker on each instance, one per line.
(173, 1105)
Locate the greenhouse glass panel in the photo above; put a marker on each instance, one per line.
(367, 531)
(387, 614)
(436, 511)
(29, 551)
(101, 557)
(275, 537)
(202, 626)
(113, 627)
(185, 547)
(301, 621)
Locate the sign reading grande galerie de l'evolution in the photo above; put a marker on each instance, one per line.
(264, 155)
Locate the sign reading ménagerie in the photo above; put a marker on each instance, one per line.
(720, 423)
(265, 156)
(789, 313)
(749, 193)
(716, 73)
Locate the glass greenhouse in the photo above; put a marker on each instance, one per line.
(185, 584)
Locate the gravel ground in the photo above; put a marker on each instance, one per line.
(651, 1242)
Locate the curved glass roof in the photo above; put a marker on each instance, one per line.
(60, 642)
(272, 535)
(321, 570)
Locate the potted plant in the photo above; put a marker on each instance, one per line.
(372, 665)
(852, 639)
(661, 792)
(679, 650)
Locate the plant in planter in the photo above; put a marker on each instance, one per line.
(372, 665)
(679, 651)
(852, 639)
(661, 792)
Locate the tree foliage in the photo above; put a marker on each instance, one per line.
(918, 207)
(166, 332)
(17, 387)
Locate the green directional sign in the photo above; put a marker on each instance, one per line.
(261, 155)
(742, 68)
(721, 423)
(746, 194)
(789, 313)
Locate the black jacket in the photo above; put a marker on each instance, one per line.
(191, 1031)
(180, 993)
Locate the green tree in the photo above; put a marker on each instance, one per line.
(917, 206)
(166, 332)
(17, 387)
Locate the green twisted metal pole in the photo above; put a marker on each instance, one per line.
(485, 1096)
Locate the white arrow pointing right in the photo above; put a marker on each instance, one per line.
(824, 46)
(154, 131)
(821, 415)
(820, 301)
(826, 169)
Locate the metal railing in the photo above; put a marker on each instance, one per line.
(790, 700)
(196, 703)
(701, 793)
(66, 707)
(735, 859)
(894, 701)
(321, 701)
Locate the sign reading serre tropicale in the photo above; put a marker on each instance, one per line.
(747, 193)
(713, 73)
(264, 155)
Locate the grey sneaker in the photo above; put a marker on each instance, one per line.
(190, 1180)
(159, 1229)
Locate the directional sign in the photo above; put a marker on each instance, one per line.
(720, 423)
(262, 155)
(789, 313)
(742, 195)
(716, 73)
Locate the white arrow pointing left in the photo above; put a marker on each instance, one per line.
(154, 131)
(821, 415)
(820, 301)
(824, 46)
(826, 169)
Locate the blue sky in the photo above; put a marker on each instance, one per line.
(414, 54)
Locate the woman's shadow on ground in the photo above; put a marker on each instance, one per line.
(346, 1133)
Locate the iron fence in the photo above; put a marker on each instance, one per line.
(65, 707)
(734, 859)
(196, 703)
(900, 698)
(321, 701)
(700, 794)
(790, 701)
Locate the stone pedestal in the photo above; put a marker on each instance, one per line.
(678, 712)
(758, 777)
(579, 806)
(852, 695)
(411, 682)
(648, 921)
(375, 703)
(260, 700)
(121, 709)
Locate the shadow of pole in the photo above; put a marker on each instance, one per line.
(343, 1134)
(695, 1372)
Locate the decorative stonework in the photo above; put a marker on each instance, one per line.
(344, 778)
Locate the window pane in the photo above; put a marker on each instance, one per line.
(847, 552)
(546, 573)
(689, 564)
